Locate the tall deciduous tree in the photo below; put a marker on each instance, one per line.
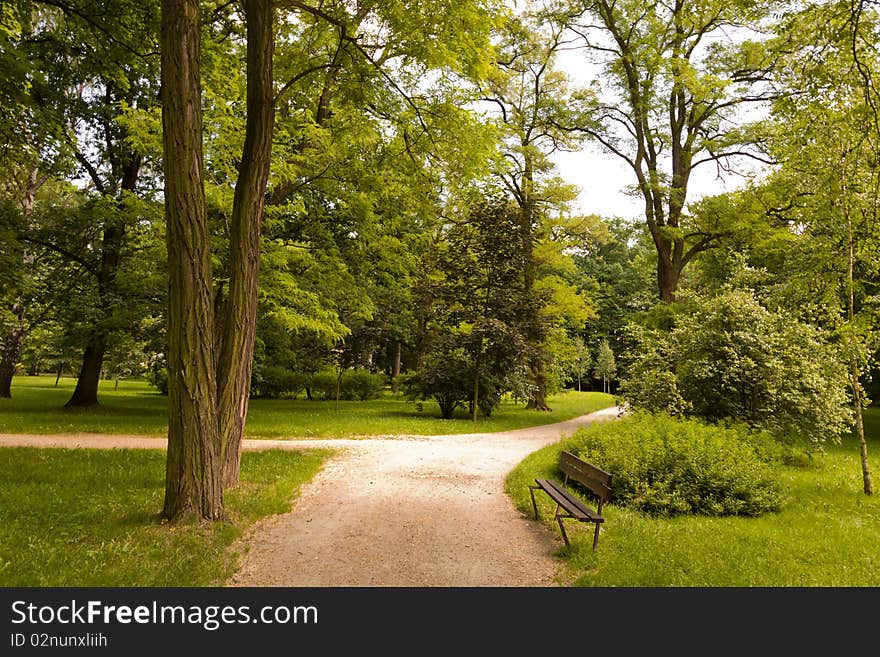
(208, 391)
(827, 138)
(193, 477)
(536, 108)
(674, 89)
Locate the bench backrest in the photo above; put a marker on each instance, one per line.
(596, 480)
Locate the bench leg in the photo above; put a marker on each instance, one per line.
(562, 529)
(596, 536)
(534, 504)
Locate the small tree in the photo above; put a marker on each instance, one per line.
(606, 367)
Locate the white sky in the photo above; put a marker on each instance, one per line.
(603, 180)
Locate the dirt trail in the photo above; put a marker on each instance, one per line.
(426, 511)
(395, 511)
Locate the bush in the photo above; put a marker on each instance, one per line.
(361, 385)
(158, 378)
(274, 381)
(727, 358)
(323, 385)
(445, 379)
(665, 466)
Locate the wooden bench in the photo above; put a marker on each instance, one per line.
(593, 479)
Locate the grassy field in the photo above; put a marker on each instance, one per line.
(89, 517)
(136, 408)
(827, 533)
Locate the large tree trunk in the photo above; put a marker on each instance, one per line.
(240, 320)
(193, 475)
(667, 280)
(538, 399)
(86, 392)
(8, 360)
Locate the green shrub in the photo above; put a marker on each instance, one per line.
(665, 466)
(273, 381)
(323, 385)
(444, 377)
(727, 358)
(360, 385)
(158, 378)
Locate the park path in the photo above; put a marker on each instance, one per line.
(393, 511)
(417, 511)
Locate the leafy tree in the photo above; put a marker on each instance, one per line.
(729, 358)
(535, 104)
(670, 107)
(606, 367)
(580, 360)
(826, 136)
(478, 311)
(204, 436)
(83, 65)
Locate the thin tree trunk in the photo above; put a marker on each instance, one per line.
(395, 369)
(240, 321)
(867, 484)
(476, 406)
(193, 474)
(86, 391)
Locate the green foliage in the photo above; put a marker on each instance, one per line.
(275, 381)
(324, 385)
(361, 385)
(158, 378)
(444, 377)
(350, 385)
(664, 466)
(729, 358)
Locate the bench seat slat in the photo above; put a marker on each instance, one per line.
(568, 501)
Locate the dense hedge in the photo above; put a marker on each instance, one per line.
(273, 381)
(666, 466)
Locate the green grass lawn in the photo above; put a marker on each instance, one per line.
(89, 517)
(37, 406)
(827, 533)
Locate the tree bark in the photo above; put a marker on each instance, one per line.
(867, 484)
(667, 279)
(8, 361)
(193, 474)
(395, 368)
(85, 393)
(240, 317)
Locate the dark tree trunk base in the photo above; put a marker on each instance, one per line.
(86, 392)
